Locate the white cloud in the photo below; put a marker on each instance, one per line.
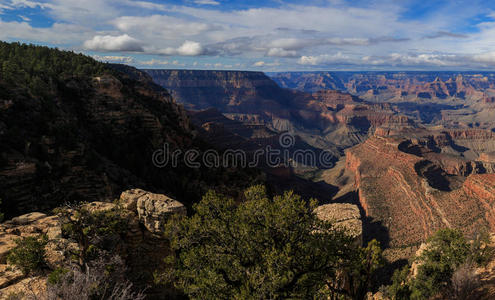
(427, 59)
(266, 64)
(324, 59)
(177, 63)
(29, 4)
(488, 58)
(206, 2)
(188, 48)
(154, 62)
(309, 35)
(58, 33)
(279, 52)
(162, 26)
(25, 19)
(113, 43)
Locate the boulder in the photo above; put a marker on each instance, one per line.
(155, 209)
(129, 198)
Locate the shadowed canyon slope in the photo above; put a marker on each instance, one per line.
(327, 119)
(88, 136)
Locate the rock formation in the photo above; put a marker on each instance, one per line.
(143, 247)
(153, 210)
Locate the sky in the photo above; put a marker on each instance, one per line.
(263, 35)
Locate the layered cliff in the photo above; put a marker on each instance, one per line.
(393, 85)
(408, 185)
(448, 98)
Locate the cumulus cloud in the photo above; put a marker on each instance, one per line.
(58, 33)
(488, 58)
(426, 59)
(279, 52)
(324, 59)
(163, 26)
(266, 64)
(311, 35)
(188, 48)
(113, 43)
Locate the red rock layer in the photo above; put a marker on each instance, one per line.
(394, 193)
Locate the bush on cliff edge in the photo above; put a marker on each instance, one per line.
(264, 248)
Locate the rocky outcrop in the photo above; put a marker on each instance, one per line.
(141, 247)
(153, 210)
(343, 216)
(12, 280)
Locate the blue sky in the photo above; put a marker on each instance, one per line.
(268, 35)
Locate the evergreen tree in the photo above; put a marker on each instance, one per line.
(262, 248)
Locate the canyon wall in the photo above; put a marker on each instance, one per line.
(410, 187)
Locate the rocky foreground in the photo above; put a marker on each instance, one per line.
(142, 247)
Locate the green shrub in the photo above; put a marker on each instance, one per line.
(57, 275)
(263, 248)
(93, 231)
(446, 251)
(445, 267)
(29, 254)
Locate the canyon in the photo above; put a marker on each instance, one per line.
(406, 148)
(408, 153)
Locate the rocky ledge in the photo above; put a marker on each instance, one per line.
(146, 214)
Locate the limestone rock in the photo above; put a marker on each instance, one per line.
(128, 199)
(27, 288)
(28, 218)
(343, 215)
(155, 209)
(97, 206)
(9, 276)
